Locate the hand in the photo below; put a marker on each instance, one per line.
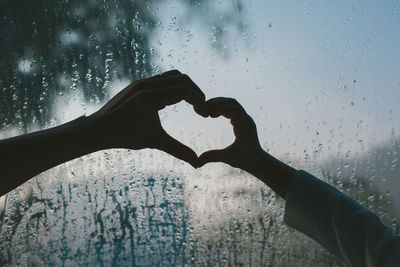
(131, 120)
(245, 152)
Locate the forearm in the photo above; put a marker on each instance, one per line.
(340, 224)
(274, 173)
(25, 156)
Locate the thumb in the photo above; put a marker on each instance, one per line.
(217, 155)
(175, 148)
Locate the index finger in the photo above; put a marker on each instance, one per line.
(173, 94)
(163, 81)
(167, 73)
(223, 106)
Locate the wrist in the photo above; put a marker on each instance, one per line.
(257, 159)
(91, 132)
(274, 173)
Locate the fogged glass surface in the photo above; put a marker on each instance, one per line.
(320, 79)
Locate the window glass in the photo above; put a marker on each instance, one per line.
(320, 79)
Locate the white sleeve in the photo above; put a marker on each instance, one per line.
(340, 224)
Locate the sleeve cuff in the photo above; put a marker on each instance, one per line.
(309, 204)
(337, 222)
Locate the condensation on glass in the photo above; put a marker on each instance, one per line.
(320, 80)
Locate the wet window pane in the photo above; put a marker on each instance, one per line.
(321, 80)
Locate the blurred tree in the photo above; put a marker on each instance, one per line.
(52, 47)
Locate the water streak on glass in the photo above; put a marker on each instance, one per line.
(320, 80)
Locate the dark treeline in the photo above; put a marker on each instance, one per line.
(50, 47)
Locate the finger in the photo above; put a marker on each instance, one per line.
(138, 85)
(201, 109)
(175, 148)
(223, 100)
(228, 111)
(229, 108)
(212, 156)
(160, 98)
(173, 94)
(211, 107)
(171, 73)
(242, 123)
(169, 80)
(164, 74)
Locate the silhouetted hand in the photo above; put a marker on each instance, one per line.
(245, 152)
(131, 120)
(128, 120)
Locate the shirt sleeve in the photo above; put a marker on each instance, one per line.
(340, 224)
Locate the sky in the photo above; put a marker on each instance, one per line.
(320, 78)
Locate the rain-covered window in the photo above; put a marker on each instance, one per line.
(320, 78)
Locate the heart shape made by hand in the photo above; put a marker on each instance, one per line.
(199, 133)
